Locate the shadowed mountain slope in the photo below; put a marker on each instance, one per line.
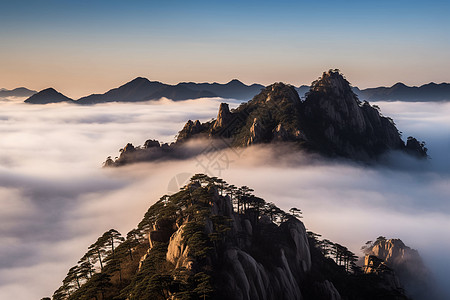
(212, 240)
(330, 121)
(18, 92)
(234, 89)
(47, 96)
(402, 92)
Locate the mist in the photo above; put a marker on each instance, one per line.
(56, 199)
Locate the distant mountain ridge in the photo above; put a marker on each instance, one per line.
(142, 89)
(331, 120)
(17, 92)
(402, 92)
(48, 96)
(234, 89)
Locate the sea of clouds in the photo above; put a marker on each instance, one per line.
(56, 199)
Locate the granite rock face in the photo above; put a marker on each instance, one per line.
(338, 123)
(214, 240)
(402, 265)
(330, 121)
(223, 117)
(248, 276)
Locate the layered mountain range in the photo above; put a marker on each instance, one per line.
(142, 89)
(401, 92)
(212, 240)
(17, 92)
(331, 120)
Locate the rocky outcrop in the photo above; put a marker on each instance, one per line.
(256, 133)
(212, 240)
(189, 130)
(151, 144)
(178, 251)
(297, 232)
(248, 278)
(395, 254)
(403, 264)
(375, 265)
(243, 268)
(161, 232)
(338, 123)
(272, 115)
(282, 134)
(223, 117)
(330, 121)
(416, 148)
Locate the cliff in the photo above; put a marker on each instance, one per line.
(338, 123)
(388, 256)
(330, 121)
(212, 240)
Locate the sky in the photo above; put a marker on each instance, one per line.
(56, 199)
(84, 47)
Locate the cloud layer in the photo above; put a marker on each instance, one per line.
(56, 200)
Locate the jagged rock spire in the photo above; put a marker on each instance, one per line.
(223, 117)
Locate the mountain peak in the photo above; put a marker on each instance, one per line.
(332, 82)
(49, 91)
(331, 121)
(138, 80)
(48, 95)
(404, 261)
(399, 85)
(277, 93)
(235, 81)
(198, 243)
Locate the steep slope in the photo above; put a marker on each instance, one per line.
(330, 121)
(338, 123)
(47, 96)
(393, 254)
(212, 240)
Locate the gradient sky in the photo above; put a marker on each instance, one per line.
(81, 47)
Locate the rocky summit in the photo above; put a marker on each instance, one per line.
(331, 121)
(338, 123)
(401, 266)
(212, 240)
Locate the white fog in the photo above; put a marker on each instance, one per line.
(56, 199)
